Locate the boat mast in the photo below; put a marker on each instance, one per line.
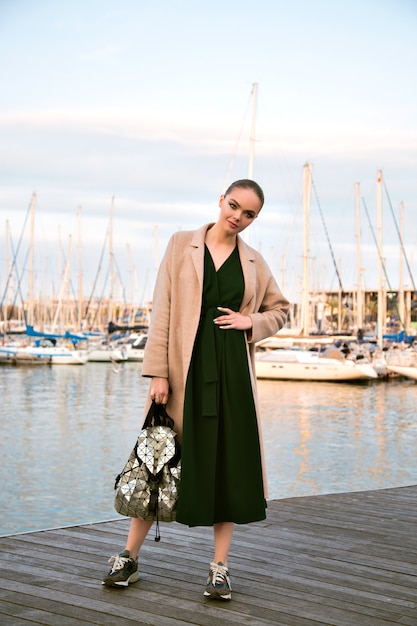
(401, 290)
(359, 293)
(30, 317)
(252, 136)
(8, 269)
(252, 132)
(156, 247)
(80, 270)
(132, 291)
(63, 290)
(283, 272)
(111, 261)
(380, 259)
(305, 313)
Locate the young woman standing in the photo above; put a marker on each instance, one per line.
(214, 298)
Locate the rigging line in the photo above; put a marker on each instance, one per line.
(19, 279)
(121, 281)
(97, 274)
(327, 237)
(233, 159)
(13, 267)
(400, 238)
(71, 284)
(382, 263)
(101, 298)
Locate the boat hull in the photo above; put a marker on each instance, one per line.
(409, 371)
(112, 355)
(276, 365)
(30, 355)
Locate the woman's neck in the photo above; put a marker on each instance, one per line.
(220, 247)
(217, 238)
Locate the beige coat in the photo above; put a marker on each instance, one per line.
(176, 310)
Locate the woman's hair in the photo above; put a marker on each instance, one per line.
(247, 183)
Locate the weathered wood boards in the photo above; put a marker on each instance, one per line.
(343, 559)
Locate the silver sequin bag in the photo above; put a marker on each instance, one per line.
(148, 486)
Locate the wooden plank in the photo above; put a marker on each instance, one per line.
(16, 613)
(341, 560)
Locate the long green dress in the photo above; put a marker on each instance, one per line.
(221, 464)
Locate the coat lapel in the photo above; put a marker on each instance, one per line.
(247, 260)
(197, 252)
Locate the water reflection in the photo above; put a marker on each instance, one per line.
(326, 438)
(67, 431)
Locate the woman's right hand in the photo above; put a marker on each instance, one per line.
(159, 390)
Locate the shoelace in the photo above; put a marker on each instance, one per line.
(119, 562)
(220, 573)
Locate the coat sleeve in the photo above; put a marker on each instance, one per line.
(155, 360)
(271, 309)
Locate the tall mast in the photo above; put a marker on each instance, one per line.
(80, 270)
(283, 272)
(401, 290)
(380, 259)
(359, 296)
(132, 298)
(63, 289)
(156, 248)
(111, 260)
(305, 313)
(31, 252)
(252, 132)
(252, 136)
(7, 268)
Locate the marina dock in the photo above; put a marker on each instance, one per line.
(345, 559)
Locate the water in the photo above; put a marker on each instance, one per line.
(66, 431)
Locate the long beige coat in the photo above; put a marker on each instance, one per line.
(176, 310)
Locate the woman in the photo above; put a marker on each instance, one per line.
(214, 298)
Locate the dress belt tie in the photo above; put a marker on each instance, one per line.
(212, 341)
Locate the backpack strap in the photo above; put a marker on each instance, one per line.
(157, 416)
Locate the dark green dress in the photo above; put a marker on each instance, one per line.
(221, 464)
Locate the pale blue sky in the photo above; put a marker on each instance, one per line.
(144, 100)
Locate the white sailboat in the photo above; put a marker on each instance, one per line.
(296, 364)
(49, 355)
(306, 365)
(107, 353)
(135, 347)
(403, 362)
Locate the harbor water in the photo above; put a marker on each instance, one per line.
(66, 431)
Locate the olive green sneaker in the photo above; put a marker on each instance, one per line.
(123, 571)
(218, 582)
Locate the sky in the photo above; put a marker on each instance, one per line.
(149, 106)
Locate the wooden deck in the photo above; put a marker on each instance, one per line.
(345, 559)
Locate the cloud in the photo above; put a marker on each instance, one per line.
(168, 172)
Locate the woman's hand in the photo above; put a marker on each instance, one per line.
(159, 390)
(232, 319)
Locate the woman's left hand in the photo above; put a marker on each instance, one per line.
(159, 390)
(232, 319)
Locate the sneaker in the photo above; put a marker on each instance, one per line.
(123, 572)
(218, 582)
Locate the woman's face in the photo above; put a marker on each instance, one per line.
(238, 209)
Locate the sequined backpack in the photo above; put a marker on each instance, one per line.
(148, 485)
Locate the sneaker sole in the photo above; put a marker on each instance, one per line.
(215, 595)
(133, 578)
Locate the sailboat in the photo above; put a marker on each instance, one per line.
(296, 364)
(37, 354)
(103, 352)
(403, 362)
(48, 348)
(291, 364)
